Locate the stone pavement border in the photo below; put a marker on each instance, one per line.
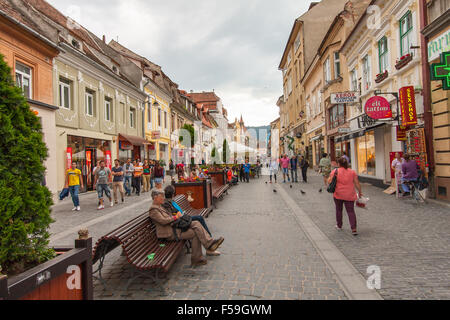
(352, 282)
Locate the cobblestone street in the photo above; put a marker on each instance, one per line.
(267, 255)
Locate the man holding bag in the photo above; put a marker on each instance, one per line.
(163, 221)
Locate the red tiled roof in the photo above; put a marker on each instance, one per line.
(204, 97)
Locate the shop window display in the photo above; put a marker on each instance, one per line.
(366, 154)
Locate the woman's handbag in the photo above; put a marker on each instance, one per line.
(332, 186)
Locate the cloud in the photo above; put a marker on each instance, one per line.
(231, 46)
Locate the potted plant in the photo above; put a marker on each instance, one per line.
(25, 257)
(403, 61)
(381, 76)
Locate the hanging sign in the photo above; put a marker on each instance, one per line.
(401, 133)
(156, 134)
(378, 108)
(408, 106)
(108, 159)
(69, 157)
(125, 145)
(344, 97)
(441, 71)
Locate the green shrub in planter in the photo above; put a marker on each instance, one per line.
(24, 202)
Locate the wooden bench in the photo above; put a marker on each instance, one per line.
(138, 240)
(219, 186)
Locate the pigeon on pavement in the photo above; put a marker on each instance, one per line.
(303, 192)
(320, 190)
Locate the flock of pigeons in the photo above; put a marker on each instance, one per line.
(301, 191)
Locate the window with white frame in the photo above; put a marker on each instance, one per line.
(89, 103)
(108, 109)
(165, 120)
(354, 80)
(314, 107)
(319, 100)
(24, 77)
(65, 93)
(366, 73)
(132, 118)
(383, 56)
(159, 117)
(337, 65)
(406, 34)
(326, 70)
(149, 113)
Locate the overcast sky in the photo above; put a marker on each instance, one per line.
(232, 46)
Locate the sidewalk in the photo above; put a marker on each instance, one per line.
(409, 242)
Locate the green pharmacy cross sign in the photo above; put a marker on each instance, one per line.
(291, 143)
(441, 71)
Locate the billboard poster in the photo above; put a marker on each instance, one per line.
(401, 133)
(69, 157)
(108, 159)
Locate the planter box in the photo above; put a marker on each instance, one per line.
(201, 193)
(381, 77)
(401, 63)
(66, 277)
(218, 178)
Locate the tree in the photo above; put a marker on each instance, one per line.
(226, 152)
(24, 202)
(191, 131)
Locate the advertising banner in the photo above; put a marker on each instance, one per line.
(69, 157)
(401, 133)
(108, 159)
(378, 108)
(408, 106)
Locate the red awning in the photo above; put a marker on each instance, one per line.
(136, 141)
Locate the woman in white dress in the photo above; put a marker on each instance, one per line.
(397, 167)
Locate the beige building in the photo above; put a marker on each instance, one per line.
(382, 57)
(301, 48)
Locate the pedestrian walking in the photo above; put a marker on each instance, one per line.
(396, 165)
(294, 168)
(102, 178)
(73, 181)
(117, 173)
(247, 167)
(325, 168)
(159, 176)
(133, 178)
(285, 161)
(152, 173)
(129, 169)
(273, 168)
(146, 176)
(345, 193)
(138, 171)
(171, 169)
(304, 165)
(241, 173)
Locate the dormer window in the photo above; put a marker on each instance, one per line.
(114, 69)
(75, 43)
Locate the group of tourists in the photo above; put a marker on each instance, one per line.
(131, 177)
(289, 166)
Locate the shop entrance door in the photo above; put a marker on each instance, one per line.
(91, 160)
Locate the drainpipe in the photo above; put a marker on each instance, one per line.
(428, 113)
(147, 101)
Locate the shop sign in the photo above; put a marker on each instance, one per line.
(438, 46)
(108, 159)
(344, 130)
(156, 134)
(401, 133)
(69, 157)
(441, 71)
(125, 145)
(365, 121)
(408, 106)
(344, 97)
(378, 108)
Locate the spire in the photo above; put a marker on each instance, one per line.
(242, 121)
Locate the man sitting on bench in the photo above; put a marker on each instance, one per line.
(171, 206)
(196, 233)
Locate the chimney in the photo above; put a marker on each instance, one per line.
(104, 39)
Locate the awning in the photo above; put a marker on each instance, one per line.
(136, 141)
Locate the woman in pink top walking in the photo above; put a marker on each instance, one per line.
(345, 193)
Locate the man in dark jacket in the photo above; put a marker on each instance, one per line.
(304, 164)
(294, 166)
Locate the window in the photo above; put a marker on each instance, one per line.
(132, 117)
(89, 102)
(24, 79)
(337, 116)
(289, 85)
(297, 42)
(165, 120)
(159, 118)
(108, 109)
(354, 80)
(124, 113)
(406, 34)
(383, 54)
(289, 58)
(366, 73)
(64, 93)
(172, 122)
(326, 70)
(366, 154)
(149, 112)
(337, 65)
